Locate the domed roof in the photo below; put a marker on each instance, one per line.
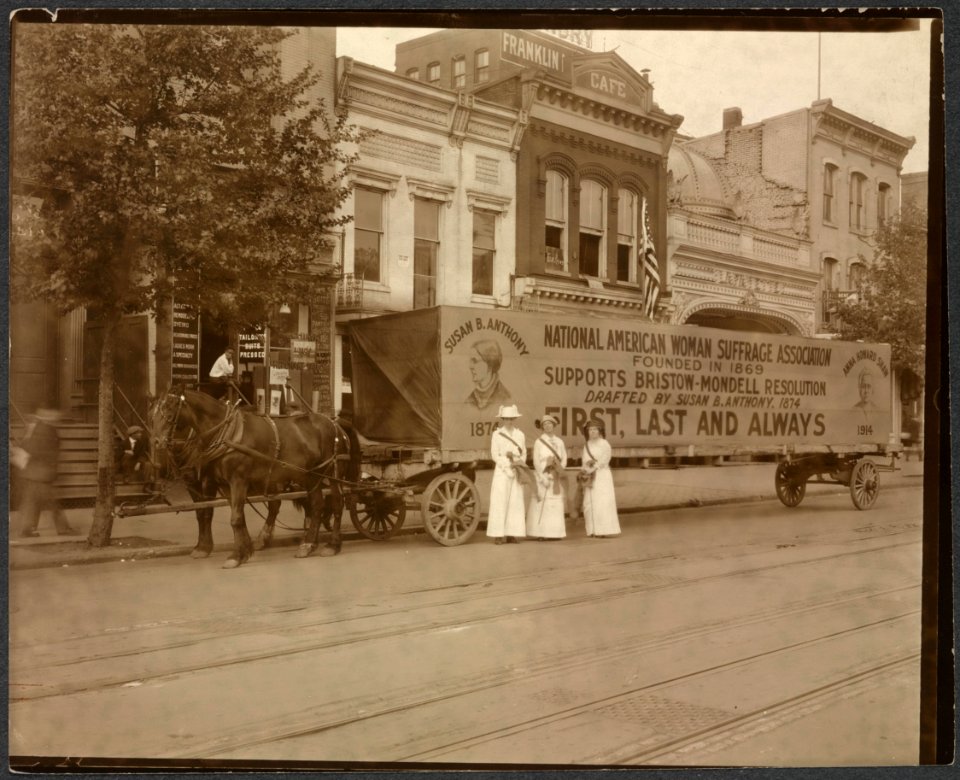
(695, 184)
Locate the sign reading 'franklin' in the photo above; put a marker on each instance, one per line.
(525, 49)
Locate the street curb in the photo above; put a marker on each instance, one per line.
(112, 554)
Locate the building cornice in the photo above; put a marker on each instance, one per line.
(365, 89)
(574, 139)
(831, 123)
(656, 124)
(565, 291)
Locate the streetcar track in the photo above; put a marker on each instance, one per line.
(590, 706)
(426, 625)
(248, 614)
(556, 664)
(254, 734)
(780, 713)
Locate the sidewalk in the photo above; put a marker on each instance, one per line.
(638, 490)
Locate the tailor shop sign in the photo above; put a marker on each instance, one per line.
(657, 385)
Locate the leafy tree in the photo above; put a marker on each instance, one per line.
(190, 165)
(890, 306)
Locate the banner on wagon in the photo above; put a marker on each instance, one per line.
(655, 385)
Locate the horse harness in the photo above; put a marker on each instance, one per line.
(230, 430)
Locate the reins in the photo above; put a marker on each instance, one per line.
(219, 444)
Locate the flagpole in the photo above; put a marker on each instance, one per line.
(819, 50)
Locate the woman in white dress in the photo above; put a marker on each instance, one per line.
(599, 502)
(508, 448)
(545, 513)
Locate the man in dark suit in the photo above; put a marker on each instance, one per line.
(42, 446)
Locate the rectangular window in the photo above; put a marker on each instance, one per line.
(367, 233)
(856, 201)
(481, 66)
(433, 73)
(556, 222)
(426, 251)
(828, 172)
(592, 226)
(413, 73)
(626, 236)
(484, 251)
(459, 79)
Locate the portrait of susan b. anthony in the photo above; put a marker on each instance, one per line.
(485, 361)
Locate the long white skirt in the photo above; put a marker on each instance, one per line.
(506, 514)
(600, 505)
(545, 515)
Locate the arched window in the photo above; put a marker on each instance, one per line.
(883, 204)
(593, 226)
(556, 221)
(829, 184)
(830, 283)
(627, 232)
(856, 276)
(858, 184)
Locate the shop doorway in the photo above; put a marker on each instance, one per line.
(214, 339)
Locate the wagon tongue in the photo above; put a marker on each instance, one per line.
(177, 493)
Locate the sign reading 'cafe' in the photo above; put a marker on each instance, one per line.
(525, 49)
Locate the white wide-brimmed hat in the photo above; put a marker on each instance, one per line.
(508, 412)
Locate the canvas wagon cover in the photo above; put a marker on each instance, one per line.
(396, 377)
(436, 377)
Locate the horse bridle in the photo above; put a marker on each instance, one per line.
(163, 435)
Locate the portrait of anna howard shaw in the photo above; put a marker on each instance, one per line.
(865, 391)
(485, 361)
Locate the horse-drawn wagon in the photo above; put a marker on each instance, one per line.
(426, 387)
(434, 378)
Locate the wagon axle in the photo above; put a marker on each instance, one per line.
(854, 470)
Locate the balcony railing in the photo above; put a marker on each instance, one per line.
(350, 292)
(830, 303)
(737, 239)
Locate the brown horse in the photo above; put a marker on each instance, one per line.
(237, 451)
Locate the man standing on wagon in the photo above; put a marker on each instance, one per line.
(222, 373)
(506, 518)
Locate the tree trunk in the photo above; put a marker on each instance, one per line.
(102, 527)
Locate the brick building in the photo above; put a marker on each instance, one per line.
(913, 188)
(590, 160)
(818, 173)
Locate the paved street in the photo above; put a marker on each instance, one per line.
(730, 634)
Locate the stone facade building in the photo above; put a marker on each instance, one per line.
(725, 271)
(433, 199)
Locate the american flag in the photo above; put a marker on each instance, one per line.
(649, 267)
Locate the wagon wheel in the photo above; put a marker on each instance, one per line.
(790, 490)
(376, 514)
(864, 484)
(450, 507)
